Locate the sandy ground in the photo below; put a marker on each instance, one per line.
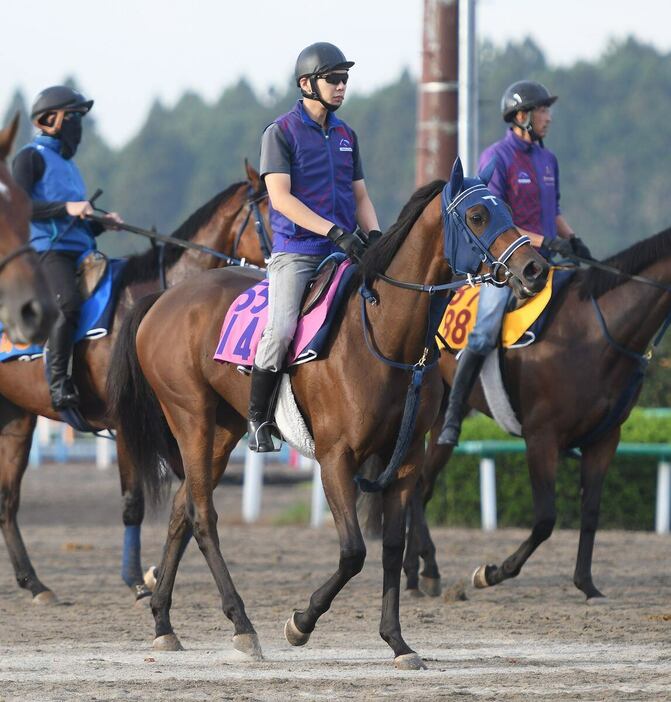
(532, 638)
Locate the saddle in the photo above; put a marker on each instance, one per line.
(90, 271)
(319, 284)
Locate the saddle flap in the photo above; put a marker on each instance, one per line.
(318, 285)
(90, 272)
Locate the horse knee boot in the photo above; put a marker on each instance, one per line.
(468, 370)
(261, 409)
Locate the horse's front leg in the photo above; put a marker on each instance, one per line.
(595, 462)
(340, 490)
(542, 458)
(396, 499)
(16, 432)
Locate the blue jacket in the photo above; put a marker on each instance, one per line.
(61, 182)
(322, 169)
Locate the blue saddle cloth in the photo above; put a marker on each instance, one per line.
(95, 317)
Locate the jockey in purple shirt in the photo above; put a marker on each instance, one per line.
(318, 200)
(526, 177)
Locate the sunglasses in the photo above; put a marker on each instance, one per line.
(336, 78)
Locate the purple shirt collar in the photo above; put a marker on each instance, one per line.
(331, 119)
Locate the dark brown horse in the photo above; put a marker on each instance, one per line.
(24, 393)
(26, 308)
(572, 388)
(156, 373)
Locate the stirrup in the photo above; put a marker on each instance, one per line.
(261, 437)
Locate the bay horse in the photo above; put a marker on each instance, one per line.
(27, 310)
(24, 393)
(574, 387)
(176, 405)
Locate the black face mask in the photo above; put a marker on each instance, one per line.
(70, 136)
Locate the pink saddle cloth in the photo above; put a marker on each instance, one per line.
(247, 318)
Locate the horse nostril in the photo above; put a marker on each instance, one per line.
(31, 314)
(533, 271)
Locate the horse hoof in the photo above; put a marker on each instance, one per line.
(429, 586)
(409, 661)
(249, 645)
(150, 577)
(168, 642)
(293, 634)
(596, 601)
(478, 578)
(45, 599)
(414, 592)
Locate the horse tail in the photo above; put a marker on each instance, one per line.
(135, 410)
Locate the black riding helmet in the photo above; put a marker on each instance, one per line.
(59, 97)
(315, 60)
(525, 96)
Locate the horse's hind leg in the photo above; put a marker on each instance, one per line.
(16, 432)
(542, 457)
(594, 465)
(133, 514)
(340, 490)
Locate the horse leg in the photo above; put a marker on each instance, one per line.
(420, 542)
(594, 465)
(340, 491)
(245, 639)
(16, 432)
(179, 534)
(369, 504)
(396, 498)
(542, 472)
(133, 514)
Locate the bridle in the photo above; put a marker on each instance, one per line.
(252, 204)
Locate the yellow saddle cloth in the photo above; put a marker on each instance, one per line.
(459, 318)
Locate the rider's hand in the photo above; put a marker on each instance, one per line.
(372, 236)
(580, 248)
(350, 242)
(113, 220)
(79, 209)
(558, 245)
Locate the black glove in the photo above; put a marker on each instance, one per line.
(558, 245)
(373, 235)
(580, 248)
(350, 242)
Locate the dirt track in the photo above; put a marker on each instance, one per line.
(529, 638)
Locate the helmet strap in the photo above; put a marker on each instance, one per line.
(526, 126)
(316, 95)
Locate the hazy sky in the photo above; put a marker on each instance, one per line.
(125, 53)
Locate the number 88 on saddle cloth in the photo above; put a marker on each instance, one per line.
(520, 327)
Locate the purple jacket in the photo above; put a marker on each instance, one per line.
(526, 176)
(322, 171)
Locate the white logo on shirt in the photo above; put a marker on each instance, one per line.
(523, 178)
(345, 145)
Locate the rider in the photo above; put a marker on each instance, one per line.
(45, 169)
(312, 168)
(526, 177)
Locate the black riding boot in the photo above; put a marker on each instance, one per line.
(64, 394)
(468, 370)
(261, 409)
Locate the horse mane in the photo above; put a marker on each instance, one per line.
(145, 266)
(378, 257)
(594, 282)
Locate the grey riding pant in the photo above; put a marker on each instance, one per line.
(288, 274)
(492, 306)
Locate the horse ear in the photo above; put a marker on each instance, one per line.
(486, 173)
(253, 176)
(7, 136)
(456, 178)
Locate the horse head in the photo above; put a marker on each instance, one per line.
(478, 229)
(26, 307)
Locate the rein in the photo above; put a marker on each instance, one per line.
(265, 241)
(20, 251)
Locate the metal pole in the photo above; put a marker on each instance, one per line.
(318, 497)
(468, 88)
(488, 494)
(437, 119)
(663, 511)
(252, 486)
